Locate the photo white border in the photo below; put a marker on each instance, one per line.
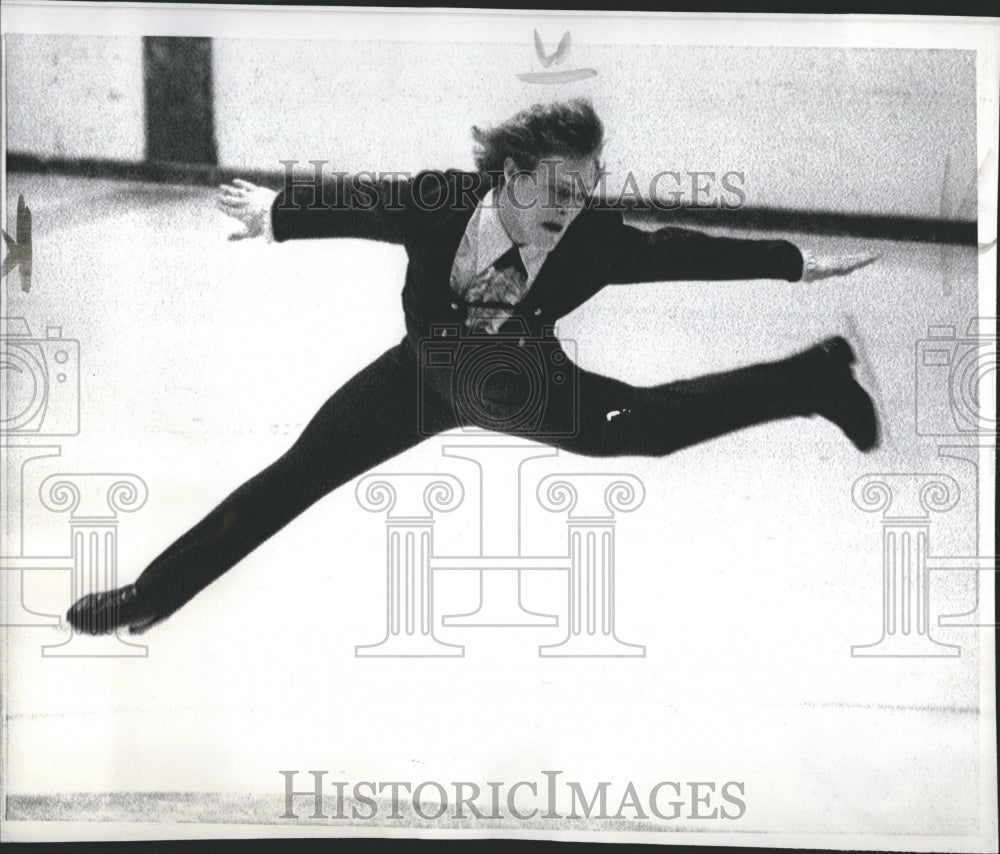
(504, 26)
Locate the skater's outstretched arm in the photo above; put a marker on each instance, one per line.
(673, 253)
(363, 205)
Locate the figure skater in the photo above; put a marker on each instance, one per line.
(495, 257)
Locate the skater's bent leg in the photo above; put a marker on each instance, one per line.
(370, 419)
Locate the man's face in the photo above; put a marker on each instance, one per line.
(540, 205)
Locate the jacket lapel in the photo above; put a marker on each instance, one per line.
(565, 271)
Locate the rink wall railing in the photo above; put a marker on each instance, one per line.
(833, 223)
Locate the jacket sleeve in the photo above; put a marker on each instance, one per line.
(344, 206)
(672, 253)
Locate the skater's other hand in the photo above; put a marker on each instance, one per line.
(827, 266)
(249, 204)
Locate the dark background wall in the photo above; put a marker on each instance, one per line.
(180, 126)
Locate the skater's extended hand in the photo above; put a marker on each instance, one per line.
(827, 266)
(248, 203)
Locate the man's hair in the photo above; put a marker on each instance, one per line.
(563, 128)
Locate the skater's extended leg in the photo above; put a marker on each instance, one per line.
(617, 418)
(370, 419)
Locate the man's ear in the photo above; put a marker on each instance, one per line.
(510, 169)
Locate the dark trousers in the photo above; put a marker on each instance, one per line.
(384, 410)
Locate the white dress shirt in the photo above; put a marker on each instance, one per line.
(484, 241)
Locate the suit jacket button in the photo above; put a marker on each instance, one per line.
(454, 306)
(538, 311)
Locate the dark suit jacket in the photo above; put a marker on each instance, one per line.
(428, 214)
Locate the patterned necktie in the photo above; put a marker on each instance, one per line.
(493, 292)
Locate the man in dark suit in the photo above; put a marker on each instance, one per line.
(496, 256)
